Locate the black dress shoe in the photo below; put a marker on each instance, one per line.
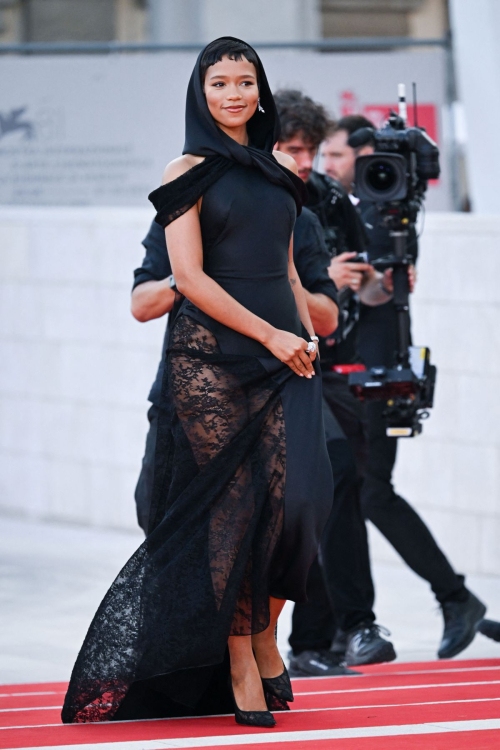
(365, 645)
(339, 643)
(490, 628)
(461, 620)
(317, 664)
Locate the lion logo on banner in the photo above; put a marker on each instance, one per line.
(12, 122)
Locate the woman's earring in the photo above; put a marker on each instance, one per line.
(259, 106)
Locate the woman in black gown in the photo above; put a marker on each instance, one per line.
(242, 477)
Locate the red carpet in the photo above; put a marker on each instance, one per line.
(434, 705)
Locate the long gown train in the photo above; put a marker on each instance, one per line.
(218, 545)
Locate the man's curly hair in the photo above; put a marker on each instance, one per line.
(300, 115)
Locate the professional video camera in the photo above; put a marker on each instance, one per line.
(395, 179)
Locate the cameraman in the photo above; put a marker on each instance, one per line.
(341, 593)
(388, 511)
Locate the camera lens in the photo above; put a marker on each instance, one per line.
(381, 175)
(381, 178)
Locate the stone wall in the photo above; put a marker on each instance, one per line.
(76, 366)
(451, 472)
(76, 369)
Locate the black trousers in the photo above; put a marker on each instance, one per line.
(340, 586)
(144, 487)
(397, 520)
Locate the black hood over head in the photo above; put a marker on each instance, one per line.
(205, 138)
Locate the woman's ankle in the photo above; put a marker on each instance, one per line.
(247, 687)
(240, 673)
(265, 641)
(269, 660)
(243, 667)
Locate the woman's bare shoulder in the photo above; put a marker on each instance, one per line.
(179, 166)
(286, 161)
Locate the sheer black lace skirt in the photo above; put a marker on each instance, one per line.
(230, 525)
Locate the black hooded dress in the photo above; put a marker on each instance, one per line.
(242, 483)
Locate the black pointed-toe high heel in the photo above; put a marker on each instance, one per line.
(251, 718)
(280, 686)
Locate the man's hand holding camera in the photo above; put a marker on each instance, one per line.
(373, 287)
(344, 273)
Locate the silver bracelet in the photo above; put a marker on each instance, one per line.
(314, 338)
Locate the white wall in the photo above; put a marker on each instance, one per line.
(476, 28)
(451, 472)
(76, 369)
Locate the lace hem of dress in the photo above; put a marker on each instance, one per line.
(203, 572)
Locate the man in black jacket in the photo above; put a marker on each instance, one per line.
(153, 296)
(341, 593)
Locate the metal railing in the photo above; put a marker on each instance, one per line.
(348, 44)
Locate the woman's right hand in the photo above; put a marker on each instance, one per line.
(291, 350)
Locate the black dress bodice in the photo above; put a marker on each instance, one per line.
(246, 224)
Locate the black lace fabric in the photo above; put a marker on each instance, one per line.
(204, 570)
(280, 686)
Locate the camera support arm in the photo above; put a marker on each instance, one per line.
(395, 179)
(399, 261)
(401, 295)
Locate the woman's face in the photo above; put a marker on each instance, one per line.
(231, 91)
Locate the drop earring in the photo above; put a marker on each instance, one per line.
(259, 106)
